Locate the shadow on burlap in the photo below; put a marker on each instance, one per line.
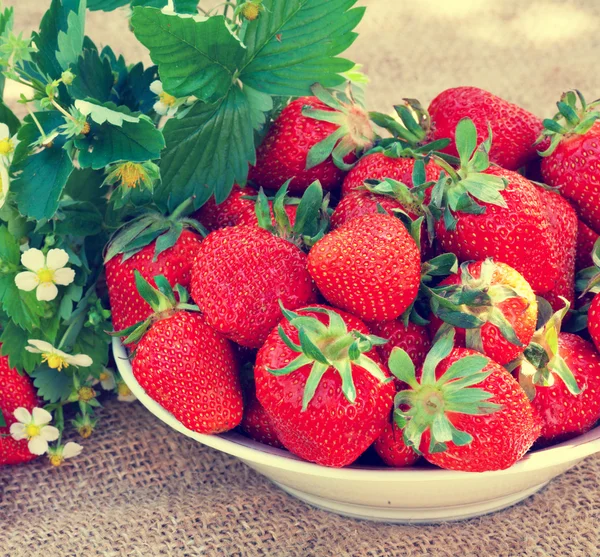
(140, 489)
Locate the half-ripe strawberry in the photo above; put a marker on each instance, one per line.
(561, 375)
(466, 413)
(484, 211)
(183, 364)
(392, 449)
(241, 273)
(586, 238)
(515, 130)
(320, 379)
(153, 245)
(369, 266)
(492, 307)
(16, 391)
(314, 138)
(563, 224)
(572, 162)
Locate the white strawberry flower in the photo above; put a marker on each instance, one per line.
(44, 273)
(124, 392)
(107, 380)
(59, 454)
(7, 145)
(4, 184)
(167, 105)
(55, 358)
(34, 427)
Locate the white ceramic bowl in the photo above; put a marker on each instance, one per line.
(386, 494)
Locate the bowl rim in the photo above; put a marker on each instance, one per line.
(252, 451)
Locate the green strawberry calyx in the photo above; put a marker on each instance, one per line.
(542, 361)
(425, 405)
(149, 226)
(164, 301)
(474, 302)
(312, 215)
(572, 118)
(462, 188)
(329, 346)
(354, 132)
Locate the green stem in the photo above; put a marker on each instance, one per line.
(181, 209)
(335, 349)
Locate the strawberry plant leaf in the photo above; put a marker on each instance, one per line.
(194, 57)
(93, 77)
(51, 384)
(210, 147)
(181, 6)
(294, 44)
(40, 182)
(21, 307)
(106, 5)
(10, 254)
(107, 112)
(70, 40)
(7, 117)
(14, 340)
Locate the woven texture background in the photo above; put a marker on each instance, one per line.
(140, 489)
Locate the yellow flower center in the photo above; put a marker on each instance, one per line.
(45, 275)
(130, 174)
(32, 430)
(6, 146)
(166, 99)
(56, 460)
(250, 11)
(54, 361)
(104, 376)
(123, 390)
(85, 431)
(86, 394)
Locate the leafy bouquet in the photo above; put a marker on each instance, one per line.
(106, 143)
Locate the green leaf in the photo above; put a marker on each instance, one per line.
(14, 340)
(207, 150)
(194, 57)
(29, 133)
(466, 140)
(52, 385)
(7, 117)
(40, 182)
(107, 112)
(181, 6)
(22, 307)
(9, 248)
(106, 5)
(93, 77)
(2, 420)
(294, 44)
(70, 41)
(78, 218)
(85, 185)
(402, 366)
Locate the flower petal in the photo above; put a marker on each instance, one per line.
(4, 132)
(72, 449)
(41, 416)
(33, 259)
(17, 431)
(27, 281)
(22, 415)
(4, 184)
(46, 292)
(57, 259)
(156, 87)
(160, 108)
(64, 276)
(38, 445)
(41, 346)
(81, 360)
(49, 433)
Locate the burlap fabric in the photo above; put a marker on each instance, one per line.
(140, 489)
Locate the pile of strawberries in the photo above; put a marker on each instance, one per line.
(395, 283)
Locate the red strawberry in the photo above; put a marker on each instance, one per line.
(563, 223)
(491, 212)
(496, 301)
(322, 383)
(412, 338)
(153, 257)
(370, 266)
(186, 366)
(572, 162)
(586, 238)
(379, 166)
(299, 144)
(562, 377)
(242, 273)
(257, 424)
(466, 413)
(514, 129)
(362, 202)
(16, 391)
(392, 449)
(594, 320)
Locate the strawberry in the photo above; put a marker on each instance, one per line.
(381, 165)
(183, 364)
(562, 378)
(466, 413)
(16, 391)
(572, 162)
(563, 223)
(392, 449)
(322, 383)
(369, 266)
(588, 282)
(362, 202)
(514, 129)
(412, 338)
(153, 245)
(242, 273)
(314, 138)
(484, 211)
(586, 238)
(495, 306)
(257, 424)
